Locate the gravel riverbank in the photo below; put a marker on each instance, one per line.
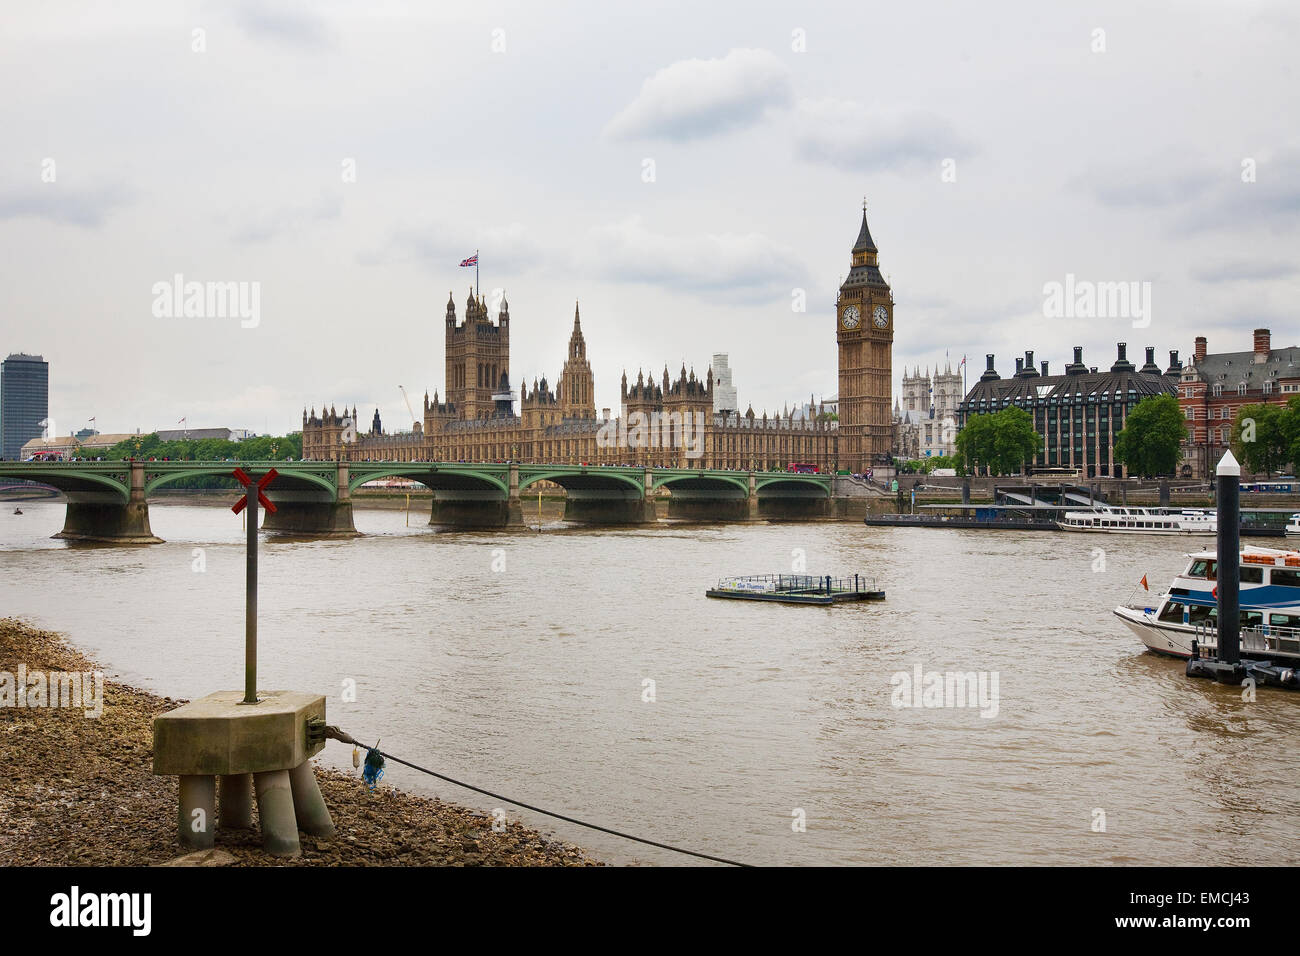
(80, 791)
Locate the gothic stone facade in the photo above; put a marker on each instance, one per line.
(864, 330)
(669, 423)
(925, 420)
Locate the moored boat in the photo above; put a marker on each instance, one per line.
(1140, 521)
(1269, 599)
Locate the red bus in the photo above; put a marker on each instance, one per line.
(803, 468)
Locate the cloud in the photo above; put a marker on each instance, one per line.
(1201, 195)
(1150, 184)
(1245, 270)
(694, 99)
(61, 204)
(286, 220)
(751, 264)
(439, 247)
(847, 135)
(295, 25)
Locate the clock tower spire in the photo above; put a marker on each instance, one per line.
(864, 331)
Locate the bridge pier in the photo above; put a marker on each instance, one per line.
(467, 509)
(103, 516)
(788, 508)
(312, 514)
(593, 509)
(311, 519)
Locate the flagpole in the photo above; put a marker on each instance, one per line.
(477, 288)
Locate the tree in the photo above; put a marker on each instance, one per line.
(1001, 441)
(1261, 437)
(1152, 440)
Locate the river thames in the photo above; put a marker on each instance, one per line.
(520, 662)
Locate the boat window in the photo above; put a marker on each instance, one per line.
(1283, 620)
(1285, 577)
(1196, 613)
(1172, 613)
(1252, 618)
(1202, 568)
(1252, 575)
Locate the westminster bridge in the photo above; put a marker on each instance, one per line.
(109, 500)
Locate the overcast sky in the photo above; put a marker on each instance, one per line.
(136, 149)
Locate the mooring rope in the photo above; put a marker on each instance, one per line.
(334, 733)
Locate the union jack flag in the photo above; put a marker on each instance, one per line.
(471, 261)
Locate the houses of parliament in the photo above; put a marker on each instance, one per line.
(475, 420)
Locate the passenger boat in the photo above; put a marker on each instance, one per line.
(1293, 526)
(1269, 599)
(1140, 521)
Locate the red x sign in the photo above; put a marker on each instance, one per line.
(242, 477)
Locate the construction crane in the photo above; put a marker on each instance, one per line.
(414, 420)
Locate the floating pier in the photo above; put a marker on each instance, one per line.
(797, 589)
(1227, 666)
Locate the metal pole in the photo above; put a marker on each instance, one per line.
(1228, 480)
(250, 602)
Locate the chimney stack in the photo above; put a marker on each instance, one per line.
(990, 373)
(1201, 346)
(1076, 367)
(1044, 365)
(1020, 365)
(1151, 368)
(1261, 345)
(1175, 367)
(1122, 364)
(1029, 363)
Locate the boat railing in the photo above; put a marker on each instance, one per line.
(797, 583)
(1257, 639)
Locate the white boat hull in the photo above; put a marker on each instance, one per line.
(1171, 640)
(1206, 533)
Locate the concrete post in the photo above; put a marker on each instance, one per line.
(236, 801)
(751, 509)
(196, 816)
(275, 807)
(308, 804)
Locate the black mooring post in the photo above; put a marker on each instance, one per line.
(250, 603)
(1228, 482)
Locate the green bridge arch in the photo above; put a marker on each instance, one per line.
(662, 479)
(530, 477)
(419, 471)
(286, 471)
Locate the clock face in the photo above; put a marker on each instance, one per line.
(882, 317)
(851, 317)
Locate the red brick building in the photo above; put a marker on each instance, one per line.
(1212, 388)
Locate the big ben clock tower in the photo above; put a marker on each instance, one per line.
(864, 330)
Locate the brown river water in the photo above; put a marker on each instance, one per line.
(518, 662)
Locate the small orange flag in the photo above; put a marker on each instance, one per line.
(1144, 583)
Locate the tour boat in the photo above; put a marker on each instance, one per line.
(1269, 600)
(1140, 521)
(1293, 526)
